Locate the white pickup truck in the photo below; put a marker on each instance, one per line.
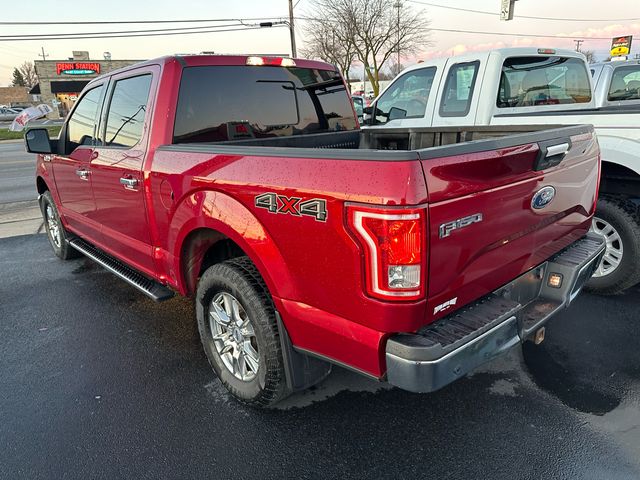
(529, 86)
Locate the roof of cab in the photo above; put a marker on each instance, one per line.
(616, 63)
(212, 60)
(503, 52)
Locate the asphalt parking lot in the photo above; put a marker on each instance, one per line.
(97, 381)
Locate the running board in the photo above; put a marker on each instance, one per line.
(151, 288)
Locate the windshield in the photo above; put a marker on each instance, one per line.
(531, 81)
(220, 103)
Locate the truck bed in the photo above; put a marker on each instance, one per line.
(389, 143)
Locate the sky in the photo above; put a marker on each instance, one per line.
(597, 19)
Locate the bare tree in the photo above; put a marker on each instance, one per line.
(377, 29)
(28, 72)
(330, 43)
(590, 54)
(395, 68)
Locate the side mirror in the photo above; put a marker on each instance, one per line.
(396, 113)
(367, 110)
(37, 141)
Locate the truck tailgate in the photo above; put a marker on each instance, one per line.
(499, 208)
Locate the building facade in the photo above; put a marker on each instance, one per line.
(61, 81)
(15, 97)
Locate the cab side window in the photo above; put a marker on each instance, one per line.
(458, 89)
(81, 127)
(407, 98)
(127, 108)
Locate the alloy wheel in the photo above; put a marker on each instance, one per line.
(53, 226)
(614, 250)
(233, 336)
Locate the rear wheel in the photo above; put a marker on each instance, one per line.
(56, 232)
(239, 333)
(618, 221)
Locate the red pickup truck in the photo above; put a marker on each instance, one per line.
(408, 255)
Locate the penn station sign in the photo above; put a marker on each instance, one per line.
(77, 68)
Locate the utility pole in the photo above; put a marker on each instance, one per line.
(292, 31)
(398, 5)
(578, 43)
(43, 55)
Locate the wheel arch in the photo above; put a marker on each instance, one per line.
(619, 179)
(41, 185)
(219, 228)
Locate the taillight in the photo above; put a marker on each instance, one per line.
(393, 244)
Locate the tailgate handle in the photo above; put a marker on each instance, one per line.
(560, 149)
(551, 153)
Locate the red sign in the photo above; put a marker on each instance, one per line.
(77, 68)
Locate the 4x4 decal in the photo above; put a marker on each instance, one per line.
(274, 203)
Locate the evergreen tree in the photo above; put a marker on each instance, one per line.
(18, 79)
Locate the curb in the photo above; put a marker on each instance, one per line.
(13, 140)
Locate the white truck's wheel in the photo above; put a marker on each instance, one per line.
(617, 220)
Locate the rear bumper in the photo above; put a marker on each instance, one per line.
(454, 345)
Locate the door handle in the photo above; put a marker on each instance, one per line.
(83, 173)
(129, 182)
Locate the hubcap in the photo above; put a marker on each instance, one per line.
(233, 336)
(613, 253)
(53, 226)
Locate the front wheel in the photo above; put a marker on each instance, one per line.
(239, 332)
(618, 221)
(56, 233)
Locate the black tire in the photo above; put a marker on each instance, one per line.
(240, 278)
(60, 245)
(623, 216)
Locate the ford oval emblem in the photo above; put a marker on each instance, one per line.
(543, 197)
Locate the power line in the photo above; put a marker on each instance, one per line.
(120, 22)
(132, 35)
(495, 14)
(504, 34)
(73, 35)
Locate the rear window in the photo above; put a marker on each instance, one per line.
(531, 81)
(220, 103)
(625, 84)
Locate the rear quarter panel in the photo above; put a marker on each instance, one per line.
(312, 268)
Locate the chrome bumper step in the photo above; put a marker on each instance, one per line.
(449, 348)
(151, 288)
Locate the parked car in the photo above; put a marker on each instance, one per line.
(408, 255)
(515, 86)
(8, 114)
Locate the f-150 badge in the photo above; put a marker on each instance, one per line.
(274, 203)
(447, 228)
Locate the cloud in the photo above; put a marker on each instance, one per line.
(596, 39)
(612, 30)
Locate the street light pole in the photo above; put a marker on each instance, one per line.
(292, 31)
(398, 5)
